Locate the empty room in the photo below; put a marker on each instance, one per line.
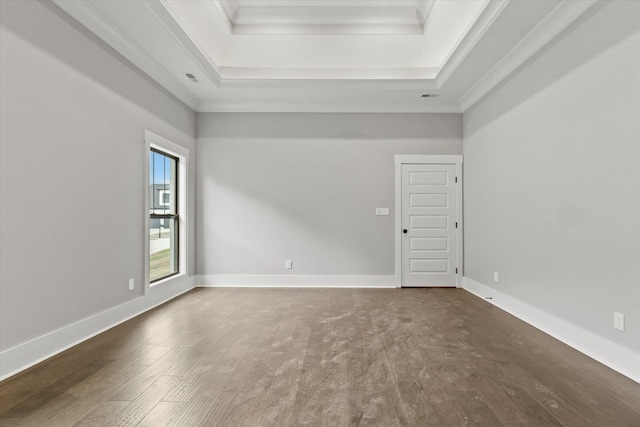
(319, 212)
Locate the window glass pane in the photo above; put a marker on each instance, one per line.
(163, 210)
(163, 248)
(162, 176)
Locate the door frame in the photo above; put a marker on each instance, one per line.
(402, 159)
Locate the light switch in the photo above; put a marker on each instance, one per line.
(382, 211)
(618, 321)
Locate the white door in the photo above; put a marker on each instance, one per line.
(429, 225)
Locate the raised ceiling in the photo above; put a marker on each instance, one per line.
(327, 55)
(327, 16)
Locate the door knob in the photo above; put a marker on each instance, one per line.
(404, 231)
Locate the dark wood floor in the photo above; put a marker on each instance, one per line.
(331, 357)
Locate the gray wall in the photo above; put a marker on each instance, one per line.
(552, 178)
(72, 171)
(304, 187)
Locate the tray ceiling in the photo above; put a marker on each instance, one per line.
(327, 16)
(327, 55)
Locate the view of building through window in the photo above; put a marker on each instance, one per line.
(163, 210)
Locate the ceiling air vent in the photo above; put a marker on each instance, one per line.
(429, 95)
(191, 77)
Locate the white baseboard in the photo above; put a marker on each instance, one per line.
(609, 353)
(295, 281)
(25, 355)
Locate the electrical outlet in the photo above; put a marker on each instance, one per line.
(288, 264)
(132, 284)
(618, 321)
(495, 276)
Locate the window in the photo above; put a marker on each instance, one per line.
(165, 197)
(164, 215)
(167, 210)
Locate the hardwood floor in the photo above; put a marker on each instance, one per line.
(331, 357)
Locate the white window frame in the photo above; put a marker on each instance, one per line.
(158, 142)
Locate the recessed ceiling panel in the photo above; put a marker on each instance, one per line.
(342, 54)
(327, 16)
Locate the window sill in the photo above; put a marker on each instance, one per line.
(168, 279)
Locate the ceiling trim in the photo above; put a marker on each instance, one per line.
(549, 28)
(334, 29)
(426, 11)
(300, 77)
(100, 25)
(191, 48)
(333, 107)
(97, 23)
(231, 7)
(486, 17)
(409, 17)
(372, 84)
(224, 8)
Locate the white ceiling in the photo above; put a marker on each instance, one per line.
(327, 55)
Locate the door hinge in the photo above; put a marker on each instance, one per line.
(456, 225)
(456, 270)
(456, 179)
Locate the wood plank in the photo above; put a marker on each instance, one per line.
(160, 415)
(223, 409)
(255, 399)
(139, 383)
(42, 403)
(252, 357)
(104, 414)
(307, 407)
(284, 385)
(135, 412)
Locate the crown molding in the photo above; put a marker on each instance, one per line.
(548, 29)
(409, 78)
(421, 85)
(176, 28)
(341, 29)
(426, 12)
(486, 18)
(324, 3)
(101, 26)
(227, 9)
(332, 107)
(231, 7)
